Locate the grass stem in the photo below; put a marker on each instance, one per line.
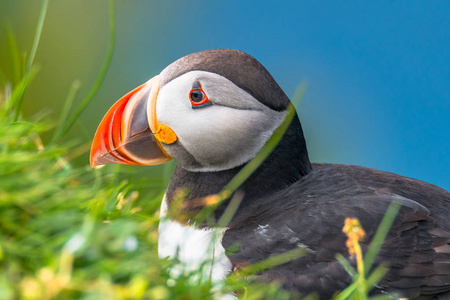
(380, 235)
(37, 38)
(85, 102)
(68, 104)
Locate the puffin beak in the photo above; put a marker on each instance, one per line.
(126, 135)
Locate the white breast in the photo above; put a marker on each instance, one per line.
(198, 250)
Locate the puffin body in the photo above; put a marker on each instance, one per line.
(213, 111)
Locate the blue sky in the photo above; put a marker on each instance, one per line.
(378, 71)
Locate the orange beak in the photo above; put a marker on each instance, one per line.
(129, 132)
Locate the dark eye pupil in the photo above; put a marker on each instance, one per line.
(197, 96)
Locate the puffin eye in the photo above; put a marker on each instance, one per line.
(198, 97)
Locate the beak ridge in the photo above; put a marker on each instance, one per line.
(124, 135)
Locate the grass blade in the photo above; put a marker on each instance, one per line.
(345, 294)
(37, 37)
(376, 276)
(231, 209)
(18, 91)
(85, 102)
(273, 141)
(380, 235)
(68, 104)
(13, 56)
(347, 266)
(270, 262)
(253, 164)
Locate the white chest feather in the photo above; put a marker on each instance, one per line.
(199, 251)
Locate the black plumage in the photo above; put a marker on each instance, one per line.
(289, 202)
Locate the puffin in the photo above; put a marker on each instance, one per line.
(212, 112)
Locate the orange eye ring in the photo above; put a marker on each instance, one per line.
(198, 97)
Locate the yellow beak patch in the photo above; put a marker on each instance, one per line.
(165, 134)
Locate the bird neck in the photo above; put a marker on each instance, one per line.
(287, 163)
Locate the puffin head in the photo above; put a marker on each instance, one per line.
(210, 111)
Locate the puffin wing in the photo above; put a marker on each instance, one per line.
(417, 252)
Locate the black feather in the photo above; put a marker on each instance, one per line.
(289, 203)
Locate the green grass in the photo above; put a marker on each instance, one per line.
(70, 232)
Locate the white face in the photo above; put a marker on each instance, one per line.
(223, 135)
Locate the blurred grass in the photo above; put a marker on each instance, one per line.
(66, 124)
(70, 232)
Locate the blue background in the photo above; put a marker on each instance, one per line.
(378, 71)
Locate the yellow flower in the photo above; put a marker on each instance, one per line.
(355, 234)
